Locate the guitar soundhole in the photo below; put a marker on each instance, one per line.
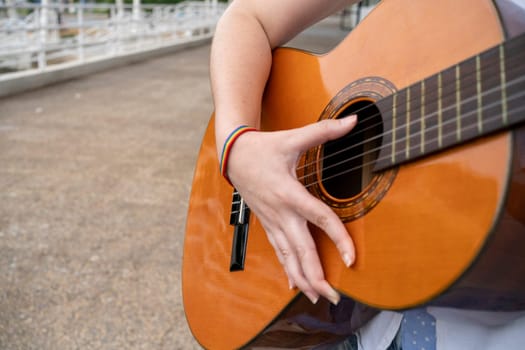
(347, 162)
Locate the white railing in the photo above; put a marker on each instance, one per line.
(36, 37)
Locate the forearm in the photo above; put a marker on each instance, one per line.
(261, 165)
(240, 64)
(241, 54)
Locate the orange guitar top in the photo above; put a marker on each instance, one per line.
(418, 226)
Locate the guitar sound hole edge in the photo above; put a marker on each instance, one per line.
(359, 188)
(346, 164)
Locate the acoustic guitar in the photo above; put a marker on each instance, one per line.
(430, 184)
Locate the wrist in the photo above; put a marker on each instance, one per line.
(227, 146)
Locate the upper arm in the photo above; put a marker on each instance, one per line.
(281, 20)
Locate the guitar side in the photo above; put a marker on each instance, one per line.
(214, 297)
(438, 195)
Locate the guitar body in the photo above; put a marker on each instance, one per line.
(438, 229)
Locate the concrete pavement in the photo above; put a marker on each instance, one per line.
(95, 176)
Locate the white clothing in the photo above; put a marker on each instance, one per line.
(455, 330)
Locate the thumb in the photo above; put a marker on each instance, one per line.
(317, 133)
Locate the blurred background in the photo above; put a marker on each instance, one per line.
(102, 109)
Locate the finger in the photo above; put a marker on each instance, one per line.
(292, 266)
(280, 257)
(317, 133)
(308, 258)
(268, 217)
(322, 216)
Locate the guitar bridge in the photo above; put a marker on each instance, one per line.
(240, 220)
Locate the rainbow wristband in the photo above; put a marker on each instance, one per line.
(228, 143)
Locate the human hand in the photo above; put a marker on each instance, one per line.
(262, 166)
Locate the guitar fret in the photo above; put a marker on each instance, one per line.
(393, 157)
(422, 145)
(478, 91)
(458, 103)
(431, 114)
(515, 52)
(503, 82)
(453, 104)
(449, 106)
(407, 136)
(492, 78)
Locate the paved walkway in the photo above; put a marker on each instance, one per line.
(95, 177)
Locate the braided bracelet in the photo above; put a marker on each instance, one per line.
(228, 143)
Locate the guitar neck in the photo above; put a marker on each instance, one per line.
(477, 97)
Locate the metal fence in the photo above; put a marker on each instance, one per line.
(36, 37)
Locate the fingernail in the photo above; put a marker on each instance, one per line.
(348, 260)
(313, 298)
(334, 297)
(291, 285)
(348, 120)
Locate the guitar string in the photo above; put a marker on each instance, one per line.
(514, 61)
(416, 107)
(307, 185)
(520, 109)
(465, 78)
(464, 128)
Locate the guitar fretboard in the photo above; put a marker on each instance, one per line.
(479, 96)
